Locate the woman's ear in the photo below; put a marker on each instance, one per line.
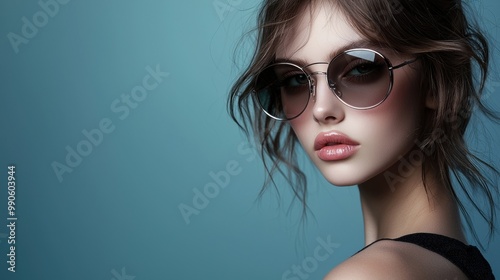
(431, 101)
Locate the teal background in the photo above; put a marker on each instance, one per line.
(116, 215)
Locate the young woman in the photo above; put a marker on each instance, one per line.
(379, 94)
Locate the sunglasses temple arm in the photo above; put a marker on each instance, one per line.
(403, 64)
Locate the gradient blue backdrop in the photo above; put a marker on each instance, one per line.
(116, 215)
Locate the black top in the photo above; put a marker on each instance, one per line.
(466, 257)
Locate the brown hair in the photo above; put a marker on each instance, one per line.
(450, 49)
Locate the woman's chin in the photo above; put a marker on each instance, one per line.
(347, 181)
(343, 182)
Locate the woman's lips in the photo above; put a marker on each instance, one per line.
(334, 145)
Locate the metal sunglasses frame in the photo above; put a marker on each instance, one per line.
(312, 86)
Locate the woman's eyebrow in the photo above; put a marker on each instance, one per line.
(352, 45)
(363, 44)
(296, 61)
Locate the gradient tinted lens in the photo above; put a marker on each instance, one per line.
(360, 78)
(283, 91)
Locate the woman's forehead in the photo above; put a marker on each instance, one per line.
(320, 31)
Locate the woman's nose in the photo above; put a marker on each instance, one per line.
(327, 108)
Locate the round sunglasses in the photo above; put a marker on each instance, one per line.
(360, 78)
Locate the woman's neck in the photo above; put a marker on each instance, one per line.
(396, 203)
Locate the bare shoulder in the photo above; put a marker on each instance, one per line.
(396, 260)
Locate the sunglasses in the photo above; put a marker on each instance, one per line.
(360, 78)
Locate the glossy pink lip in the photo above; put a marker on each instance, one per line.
(333, 145)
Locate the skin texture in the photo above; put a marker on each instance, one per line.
(386, 136)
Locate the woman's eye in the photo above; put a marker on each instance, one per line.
(295, 80)
(363, 69)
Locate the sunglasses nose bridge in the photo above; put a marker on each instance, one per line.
(313, 73)
(313, 83)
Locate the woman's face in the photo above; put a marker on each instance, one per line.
(350, 146)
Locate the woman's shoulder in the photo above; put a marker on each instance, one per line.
(388, 259)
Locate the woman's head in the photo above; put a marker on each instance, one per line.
(369, 139)
(430, 102)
